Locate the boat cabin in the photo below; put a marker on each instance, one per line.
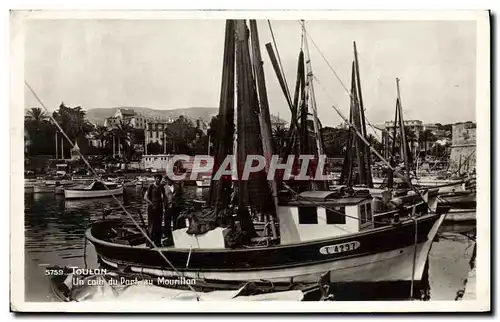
(312, 216)
(323, 214)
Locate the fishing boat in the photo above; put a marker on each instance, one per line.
(94, 190)
(313, 232)
(459, 199)
(313, 241)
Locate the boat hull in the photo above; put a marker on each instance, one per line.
(44, 189)
(460, 200)
(82, 193)
(383, 254)
(461, 215)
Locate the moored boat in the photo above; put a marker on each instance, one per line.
(94, 190)
(312, 233)
(461, 215)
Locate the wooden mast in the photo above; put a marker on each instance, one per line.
(310, 78)
(357, 120)
(364, 149)
(220, 190)
(253, 193)
(403, 134)
(264, 116)
(57, 156)
(392, 161)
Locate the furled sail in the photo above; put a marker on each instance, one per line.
(253, 193)
(220, 190)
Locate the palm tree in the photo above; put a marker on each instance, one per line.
(35, 117)
(123, 131)
(427, 136)
(36, 114)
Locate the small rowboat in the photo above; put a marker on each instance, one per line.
(95, 190)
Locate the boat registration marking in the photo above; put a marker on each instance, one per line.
(339, 248)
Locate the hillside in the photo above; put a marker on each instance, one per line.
(97, 115)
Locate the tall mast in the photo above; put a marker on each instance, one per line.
(310, 78)
(57, 157)
(264, 116)
(254, 192)
(358, 123)
(366, 151)
(220, 190)
(402, 128)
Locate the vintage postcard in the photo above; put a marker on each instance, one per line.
(243, 160)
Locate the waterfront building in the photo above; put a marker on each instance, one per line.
(135, 120)
(155, 132)
(158, 161)
(463, 147)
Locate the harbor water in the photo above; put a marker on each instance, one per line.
(54, 235)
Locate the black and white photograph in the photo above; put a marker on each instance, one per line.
(248, 157)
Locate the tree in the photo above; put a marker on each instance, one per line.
(36, 115)
(280, 138)
(123, 133)
(39, 133)
(426, 137)
(101, 133)
(154, 148)
(375, 143)
(74, 123)
(334, 141)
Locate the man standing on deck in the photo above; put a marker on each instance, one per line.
(173, 193)
(156, 199)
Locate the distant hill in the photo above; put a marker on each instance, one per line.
(98, 115)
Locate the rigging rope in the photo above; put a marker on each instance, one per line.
(382, 83)
(338, 78)
(404, 178)
(97, 178)
(279, 58)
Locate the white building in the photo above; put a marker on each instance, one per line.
(463, 149)
(135, 120)
(155, 133)
(157, 161)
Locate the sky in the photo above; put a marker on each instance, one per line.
(170, 64)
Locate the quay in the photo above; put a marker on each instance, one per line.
(470, 286)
